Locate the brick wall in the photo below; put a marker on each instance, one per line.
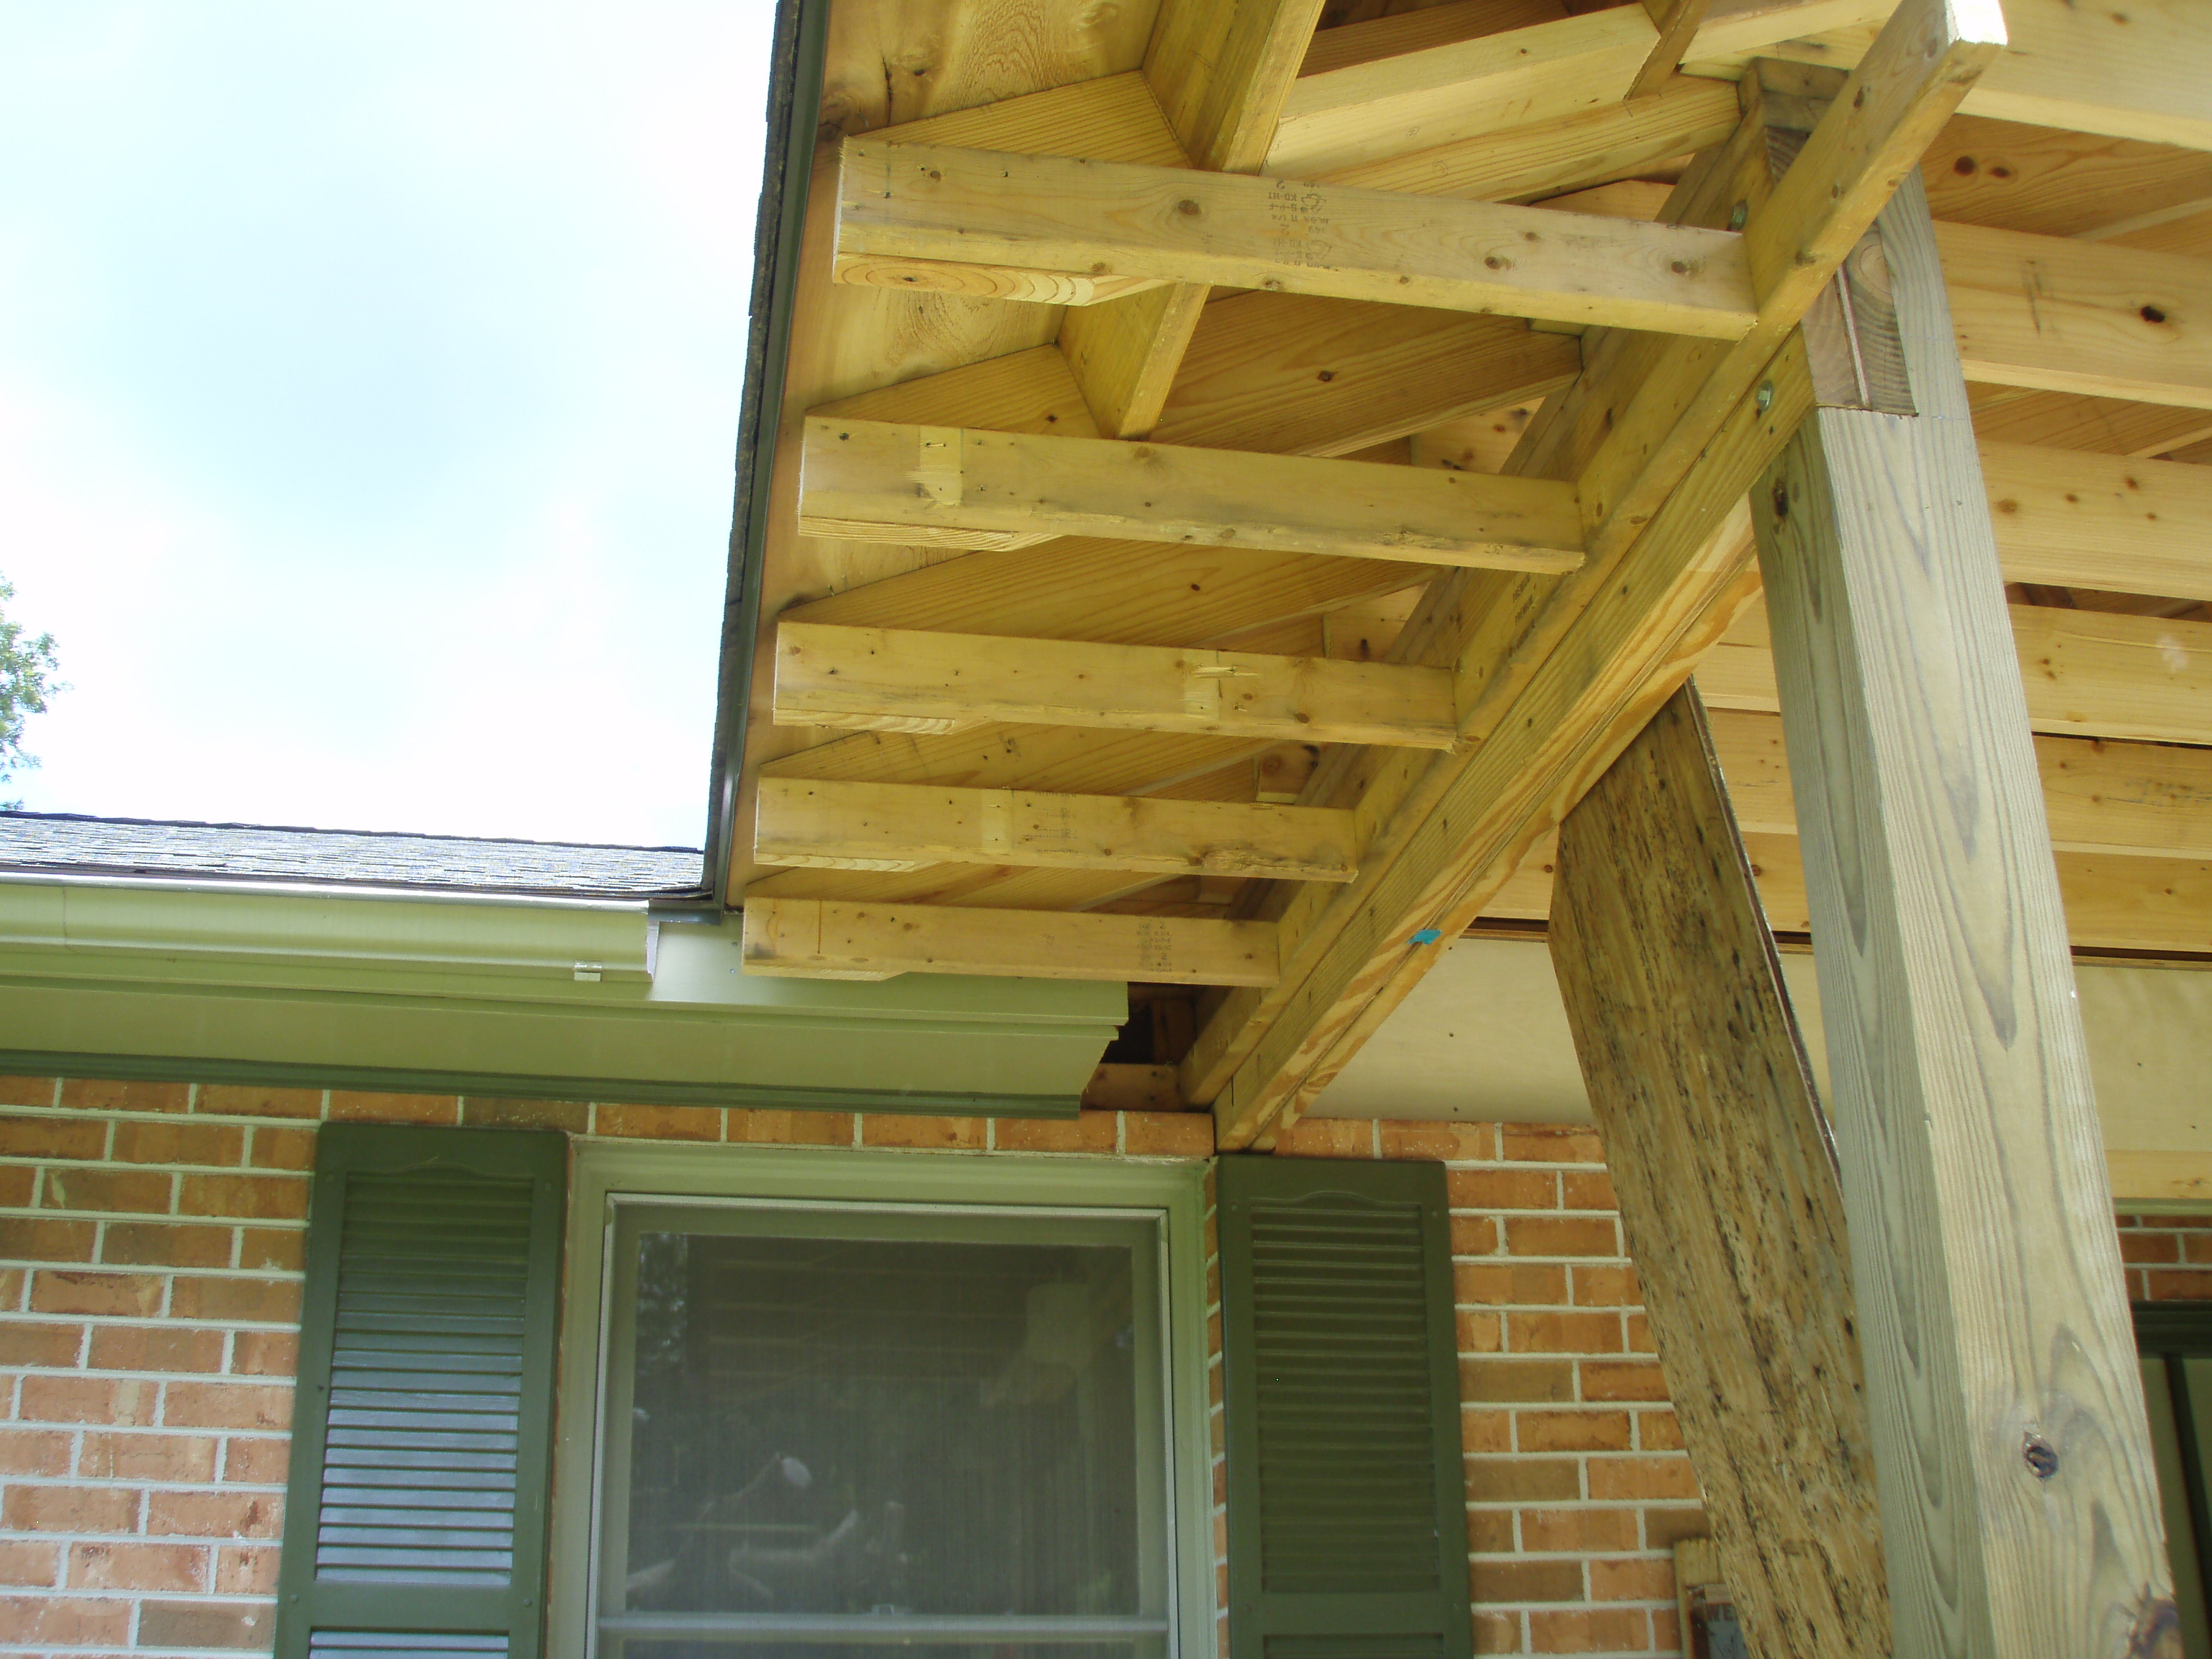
(150, 1248)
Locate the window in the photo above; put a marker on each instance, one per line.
(847, 1403)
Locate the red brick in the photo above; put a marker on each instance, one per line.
(1530, 1382)
(266, 1353)
(227, 1405)
(276, 1147)
(2140, 1247)
(1481, 1332)
(229, 1100)
(266, 1301)
(1550, 1234)
(1666, 1631)
(1087, 1131)
(1597, 1286)
(250, 1197)
(1664, 1528)
(166, 1244)
(30, 1561)
(1503, 1189)
(1520, 1480)
(1549, 1142)
(1562, 1333)
(2178, 1285)
(27, 1091)
(1167, 1134)
(245, 1571)
(129, 1295)
(917, 1130)
(1490, 1532)
(69, 1508)
(33, 1452)
(779, 1128)
(350, 1107)
(168, 1458)
(1327, 1137)
(658, 1122)
(53, 1137)
(12, 1283)
(75, 1399)
(1474, 1235)
(1623, 1379)
(156, 1348)
(2196, 1248)
(1631, 1581)
(1638, 1328)
(487, 1112)
(1484, 1432)
(1431, 1143)
(1588, 1189)
(17, 1183)
(1658, 1431)
(2138, 1290)
(27, 1342)
(109, 1095)
(1578, 1531)
(214, 1514)
(2170, 1223)
(1496, 1632)
(72, 1621)
(279, 1249)
(1635, 1478)
(135, 1191)
(221, 1144)
(25, 1238)
(207, 1625)
(138, 1567)
(1508, 1284)
(256, 1462)
(1507, 1581)
(1574, 1431)
(1623, 1630)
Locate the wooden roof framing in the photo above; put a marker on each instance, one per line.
(1241, 480)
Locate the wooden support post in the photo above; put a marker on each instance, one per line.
(1700, 1086)
(2019, 1499)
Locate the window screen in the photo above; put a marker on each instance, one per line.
(828, 1432)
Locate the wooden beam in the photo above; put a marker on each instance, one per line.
(1678, 22)
(993, 207)
(2088, 673)
(1555, 677)
(2061, 420)
(2130, 800)
(820, 939)
(828, 676)
(1981, 172)
(1699, 1081)
(845, 825)
(889, 482)
(2019, 1494)
(2054, 313)
(2069, 519)
(1462, 90)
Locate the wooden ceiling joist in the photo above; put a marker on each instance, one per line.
(1102, 218)
(944, 485)
(2070, 520)
(897, 679)
(878, 825)
(821, 939)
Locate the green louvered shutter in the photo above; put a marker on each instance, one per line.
(415, 1520)
(1348, 1515)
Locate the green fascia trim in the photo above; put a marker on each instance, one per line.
(90, 922)
(154, 1068)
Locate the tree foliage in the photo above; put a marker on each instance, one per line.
(26, 680)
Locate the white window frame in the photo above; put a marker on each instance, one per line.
(606, 1176)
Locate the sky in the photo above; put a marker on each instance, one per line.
(369, 375)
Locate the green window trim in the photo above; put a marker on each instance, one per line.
(610, 1180)
(433, 1278)
(1348, 1506)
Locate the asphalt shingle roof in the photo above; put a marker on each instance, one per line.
(65, 843)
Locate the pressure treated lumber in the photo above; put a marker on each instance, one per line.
(2070, 519)
(1677, 22)
(809, 938)
(2088, 673)
(832, 824)
(2018, 1492)
(1556, 676)
(1699, 1081)
(889, 481)
(833, 675)
(1102, 218)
